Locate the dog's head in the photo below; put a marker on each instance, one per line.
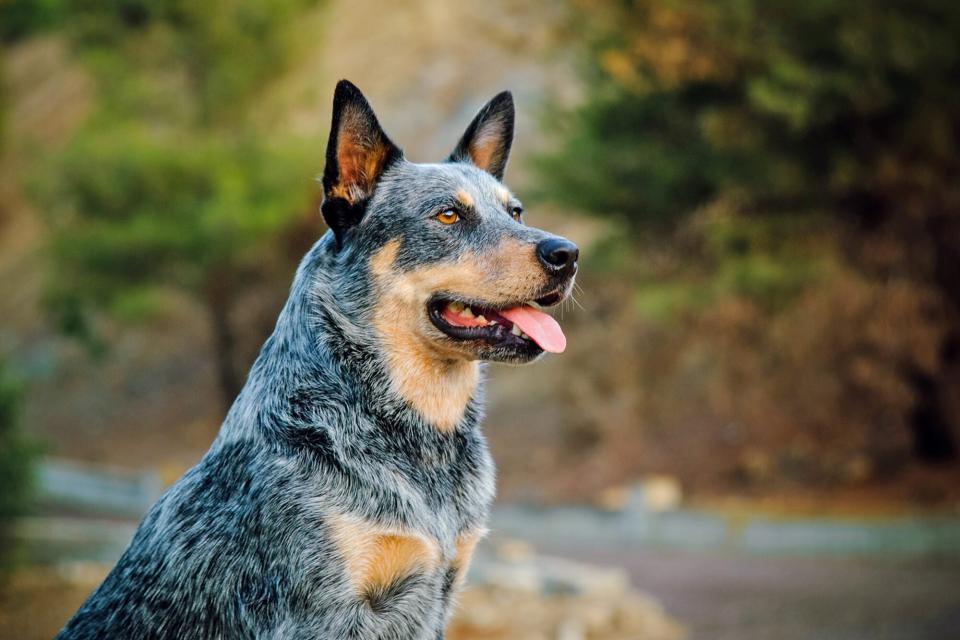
(450, 269)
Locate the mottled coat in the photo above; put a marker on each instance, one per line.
(350, 480)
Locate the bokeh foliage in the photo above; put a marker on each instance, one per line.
(171, 183)
(795, 106)
(141, 212)
(782, 179)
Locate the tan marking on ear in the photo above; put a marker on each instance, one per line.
(436, 379)
(349, 192)
(360, 160)
(465, 546)
(486, 148)
(374, 557)
(465, 198)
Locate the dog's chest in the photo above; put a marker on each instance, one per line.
(410, 549)
(427, 544)
(379, 563)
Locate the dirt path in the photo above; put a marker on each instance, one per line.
(739, 597)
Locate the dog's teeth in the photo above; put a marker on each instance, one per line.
(515, 330)
(493, 322)
(524, 336)
(481, 320)
(456, 307)
(467, 312)
(534, 304)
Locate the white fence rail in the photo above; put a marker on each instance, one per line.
(96, 490)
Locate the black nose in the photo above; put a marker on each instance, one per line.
(558, 254)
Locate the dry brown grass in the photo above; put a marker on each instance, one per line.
(36, 602)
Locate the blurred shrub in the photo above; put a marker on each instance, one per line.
(17, 457)
(171, 183)
(134, 214)
(786, 175)
(796, 106)
(214, 55)
(20, 18)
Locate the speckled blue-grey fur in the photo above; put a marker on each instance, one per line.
(241, 546)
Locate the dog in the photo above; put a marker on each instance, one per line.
(350, 481)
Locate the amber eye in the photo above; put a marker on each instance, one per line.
(516, 212)
(448, 217)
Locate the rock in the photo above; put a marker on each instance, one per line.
(571, 630)
(522, 595)
(565, 576)
(654, 494)
(662, 493)
(514, 577)
(513, 550)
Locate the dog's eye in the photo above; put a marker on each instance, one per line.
(516, 212)
(448, 217)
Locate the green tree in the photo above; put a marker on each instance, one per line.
(171, 184)
(789, 110)
(20, 18)
(135, 215)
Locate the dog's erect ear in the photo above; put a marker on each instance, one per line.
(486, 142)
(357, 155)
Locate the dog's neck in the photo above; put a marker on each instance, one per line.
(405, 381)
(438, 388)
(316, 357)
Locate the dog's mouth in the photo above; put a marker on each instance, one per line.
(521, 326)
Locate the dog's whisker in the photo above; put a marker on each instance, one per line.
(575, 302)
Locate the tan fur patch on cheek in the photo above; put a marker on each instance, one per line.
(438, 381)
(381, 264)
(436, 385)
(507, 273)
(374, 559)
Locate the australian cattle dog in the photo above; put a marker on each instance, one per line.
(350, 481)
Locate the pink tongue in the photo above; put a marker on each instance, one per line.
(542, 328)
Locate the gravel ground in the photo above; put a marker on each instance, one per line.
(746, 597)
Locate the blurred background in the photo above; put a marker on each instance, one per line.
(755, 430)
